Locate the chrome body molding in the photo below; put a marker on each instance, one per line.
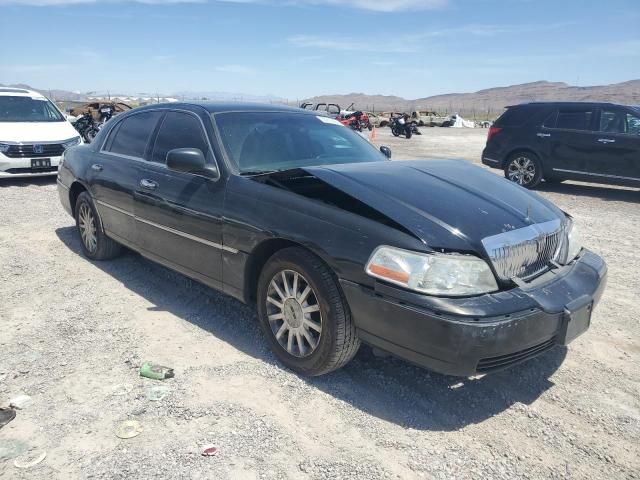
(492, 160)
(618, 177)
(169, 229)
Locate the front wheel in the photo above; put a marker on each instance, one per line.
(95, 244)
(524, 169)
(304, 314)
(395, 132)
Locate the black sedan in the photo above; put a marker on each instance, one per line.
(438, 262)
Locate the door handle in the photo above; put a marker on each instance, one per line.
(606, 140)
(96, 167)
(543, 135)
(148, 184)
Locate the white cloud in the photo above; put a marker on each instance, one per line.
(348, 44)
(378, 5)
(238, 69)
(373, 5)
(55, 3)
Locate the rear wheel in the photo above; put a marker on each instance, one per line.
(525, 169)
(95, 244)
(304, 314)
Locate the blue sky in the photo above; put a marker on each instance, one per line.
(299, 48)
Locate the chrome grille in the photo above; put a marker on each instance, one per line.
(526, 252)
(35, 150)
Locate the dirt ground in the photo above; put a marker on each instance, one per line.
(73, 334)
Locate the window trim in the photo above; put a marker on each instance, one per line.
(158, 128)
(594, 116)
(154, 134)
(116, 128)
(625, 111)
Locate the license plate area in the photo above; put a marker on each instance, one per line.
(577, 319)
(38, 163)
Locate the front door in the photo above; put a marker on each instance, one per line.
(616, 148)
(179, 215)
(114, 174)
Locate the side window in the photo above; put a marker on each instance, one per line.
(617, 121)
(133, 134)
(178, 130)
(514, 117)
(633, 124)
(574, 119)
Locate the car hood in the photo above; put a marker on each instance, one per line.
(448, 204)
(34, 132)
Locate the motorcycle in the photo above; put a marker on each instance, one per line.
(86, 127)
(106, 112)
(402, 126)
(358, 121)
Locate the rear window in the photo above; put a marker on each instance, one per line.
(574, 119)
(516, 116)
(133, 134)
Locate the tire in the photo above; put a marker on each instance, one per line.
(311, 343)
(95, 244)
(408, 133)
(395, 132)
(524, 168)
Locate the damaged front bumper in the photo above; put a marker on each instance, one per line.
(467, 336)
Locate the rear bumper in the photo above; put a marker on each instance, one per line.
(491, 158)
(450, 338)
(65, 199)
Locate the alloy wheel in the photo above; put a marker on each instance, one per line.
(521, 170)
(294, 313)
(87, 226)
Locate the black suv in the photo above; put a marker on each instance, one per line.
(555, 141)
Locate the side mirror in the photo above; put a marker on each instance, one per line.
(189, 160)
(386, 151)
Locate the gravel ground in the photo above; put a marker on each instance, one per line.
(74, 333)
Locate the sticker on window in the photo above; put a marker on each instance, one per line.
(329, 120)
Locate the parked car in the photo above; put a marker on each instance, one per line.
(429, 118)
(555, 141)
(336, 245)
(330, 109)
(33, 134)
(377, 120)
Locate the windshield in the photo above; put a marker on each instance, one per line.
(268, 141)
(27, 109)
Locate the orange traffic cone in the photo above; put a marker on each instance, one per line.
(374, 135)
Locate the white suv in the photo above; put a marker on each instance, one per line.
(33, 134)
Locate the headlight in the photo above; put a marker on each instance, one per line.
(4, 147)
(574, 244)
(72, 143)
(433, 274)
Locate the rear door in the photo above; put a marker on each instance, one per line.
(616, 156)
(570, 141)
(114, 173)
(179, 215)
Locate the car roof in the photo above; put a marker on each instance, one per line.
(220, 107)
(567, 104)
(19, 92)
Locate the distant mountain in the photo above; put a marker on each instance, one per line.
(488, 102)
(57, 95)
(493, 99)
(227, 97)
